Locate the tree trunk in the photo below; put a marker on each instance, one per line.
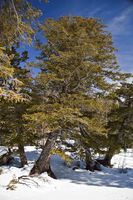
(23, 158)
(89, 161)
(107, 159)
(91, 164)
(43, 162)
(20, 130)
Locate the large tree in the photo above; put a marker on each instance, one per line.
(77, 63)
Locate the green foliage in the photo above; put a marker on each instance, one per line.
(76, 64)
(11, 118)
(121, 117)
(81, 52)
(16, 20)
(7, 81)
(16, 25)
(63, 155)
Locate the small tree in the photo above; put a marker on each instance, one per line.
(121, 119)
(16, 25)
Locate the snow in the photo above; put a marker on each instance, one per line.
(80, 184)
(3, 150)
(70, 141)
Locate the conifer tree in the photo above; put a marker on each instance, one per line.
(121, 120)
(12, 123)
(76, 62)
(16, 25)
(119, 123)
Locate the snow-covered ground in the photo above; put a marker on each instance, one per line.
(109, 184)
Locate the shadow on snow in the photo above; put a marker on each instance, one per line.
(107, 177)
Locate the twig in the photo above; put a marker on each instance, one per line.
(24, 177)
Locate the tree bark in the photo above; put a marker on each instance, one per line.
(108, 157)
(91, 164)
(43, 162)
(23, 158)
(89, 161)
(20, 130)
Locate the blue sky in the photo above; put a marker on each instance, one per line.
(116, 14)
